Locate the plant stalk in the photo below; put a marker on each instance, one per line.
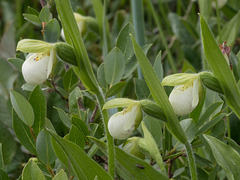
(110, 142)
(191, 161)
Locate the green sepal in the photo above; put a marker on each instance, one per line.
(65, 53)
(33, 46)
(209, 80)
(119, 102)
(152, 109)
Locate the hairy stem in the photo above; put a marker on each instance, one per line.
(110, 142)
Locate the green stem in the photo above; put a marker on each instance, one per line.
(138, 22)
(110, 142)
(157, 21)
(191, 161)
(218, 19)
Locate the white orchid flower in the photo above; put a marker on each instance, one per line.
(39, 62)
(122, 124)
(81, 23)
(184, 97)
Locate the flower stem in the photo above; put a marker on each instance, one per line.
(191, 161)
(110, 142)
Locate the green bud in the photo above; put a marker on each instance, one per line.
(131, 146)
(65, 53)
(210, 81)
(152, 109)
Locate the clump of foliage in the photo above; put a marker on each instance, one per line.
(98, 90)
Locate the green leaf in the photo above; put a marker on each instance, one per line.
(38, 102)
(209, 111)
(114, 66)
(3, 175)
(141, 89)
(211, 123)
(17, 63)
(73, 101)
(230, 30)
(44, 148)
(154, 127)
(77, 136)
(81, 125)
(124, 41)
(23, 133)
(226, 157)
(8, 145)
(22, 107)
(32, 19)
(101, 76)
(115, 89)
(233, 144)
(69, 80)
(132, 64)
(31, 171)
(33, 11)
(64, 117)
(45, 15)
(74, 38)
(158, 66)
(179, 29)
(52, 31)
(60, 176)
(127, 166)
(83, 167)
(220, 68)
(148, 144)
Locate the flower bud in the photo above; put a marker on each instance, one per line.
(38, 66)
(152, 109)
(184, 97)
(81, 23)
(210, 81)
(65, 53)
(131, 146)
(122, 124)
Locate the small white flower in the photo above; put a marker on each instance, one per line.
(81, 23)
(122, 124)
(184, 98)
(38, 66)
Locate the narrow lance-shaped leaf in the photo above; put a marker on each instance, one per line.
(84, 70)
(83, 167)
(220, 68)
(225, 156)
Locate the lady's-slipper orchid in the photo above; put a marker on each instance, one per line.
(184, 97)
(81, 23)
(39, 62)
(122, 124)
